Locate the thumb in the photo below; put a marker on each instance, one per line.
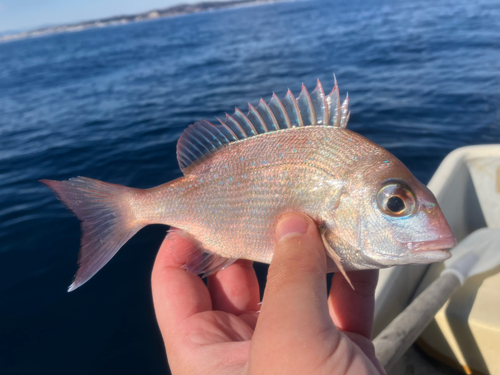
(294, 332)
(299, 257)
(296, 295)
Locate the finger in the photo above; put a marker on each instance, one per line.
(295, 297)
(177, 293)
(235, 289)
(352, 310)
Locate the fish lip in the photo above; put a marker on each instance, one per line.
(431, 251)
(430, 256)
(441, 244)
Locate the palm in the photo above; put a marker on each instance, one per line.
(218, 340)
(207, 323)
(212, 329)
(217, 327)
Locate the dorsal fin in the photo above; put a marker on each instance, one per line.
(333, 100)
(292, 108)
(203, 138)
(344, 112)
(306, 108)
(320, 105)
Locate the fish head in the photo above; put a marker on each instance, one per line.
(386, 218)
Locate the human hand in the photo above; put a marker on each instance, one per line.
(300, 330)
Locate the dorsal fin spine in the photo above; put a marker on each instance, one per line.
(203, 138)
(289, 100)
(191, 152)
(201, 144)
(215, 131)
(245, 119)
(208, 141)
(281, 112)
(252, 110)
(326, 110)
(230, 119)
(319, 104)
(228, 128)
(344, 109)
(204, 131)
(185, 147)
(306, 107)
(198, 143)
(334, 102)
(192, 147)
(208, 144)
(183, 160)
(269, 114)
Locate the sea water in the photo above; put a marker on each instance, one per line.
(423, 79)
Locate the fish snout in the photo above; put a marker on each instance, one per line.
(434, 250)
(438, 223)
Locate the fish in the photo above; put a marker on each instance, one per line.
(241, 175)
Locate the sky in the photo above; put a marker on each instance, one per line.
(20, 15)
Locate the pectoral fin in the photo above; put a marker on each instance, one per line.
(336, 258)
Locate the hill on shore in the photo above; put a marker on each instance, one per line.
(172, 11)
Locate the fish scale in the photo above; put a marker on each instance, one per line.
(301, 179)
(242, 175)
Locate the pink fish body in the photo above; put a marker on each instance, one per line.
(240, 176)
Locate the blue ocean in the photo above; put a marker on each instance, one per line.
(423, 79)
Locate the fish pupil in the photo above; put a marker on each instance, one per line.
(395, 204)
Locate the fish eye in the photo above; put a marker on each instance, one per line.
(396, 199)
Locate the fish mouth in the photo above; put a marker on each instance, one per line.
(435, 251)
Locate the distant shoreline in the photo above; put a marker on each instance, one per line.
(176, 10)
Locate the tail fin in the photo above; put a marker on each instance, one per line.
(107, 220)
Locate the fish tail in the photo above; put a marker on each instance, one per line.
(109, 217)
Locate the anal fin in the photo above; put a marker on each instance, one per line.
(202, 262)
(336, 259)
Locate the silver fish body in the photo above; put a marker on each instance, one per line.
(241, 176)
(231, 201)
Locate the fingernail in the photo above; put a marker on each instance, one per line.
(291, 225)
